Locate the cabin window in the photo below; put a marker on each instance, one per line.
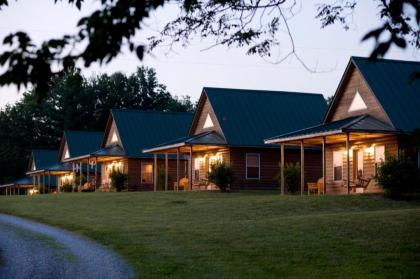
(197, 169)
(146, 172)
(252, 166)
(213, 159)
(359, 163)
(357, 103)
(338, 165)
(379, 156)
(208, 123)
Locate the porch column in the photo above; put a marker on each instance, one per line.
(190, 170)
(43, 182)
(302, 167)
(74, 177)
(88, 171)
(80, 175)
(49, 181)
(282, 169)
(96, 173)
(348, 162)
(177, 169)
(154, 172)
(166, 171)
(324, 165)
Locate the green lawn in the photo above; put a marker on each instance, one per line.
(237, 235)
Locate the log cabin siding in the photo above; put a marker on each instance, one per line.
(355, 82)
(338, 187)
(269, 166)
(134, 173)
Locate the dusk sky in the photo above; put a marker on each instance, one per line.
(189, 69)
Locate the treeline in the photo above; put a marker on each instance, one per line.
(78, 103)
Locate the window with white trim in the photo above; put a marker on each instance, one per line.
(338, 165)
(146, 172)
(252, 166)
(379, 156)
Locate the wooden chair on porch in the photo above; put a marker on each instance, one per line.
(361, 183)
(316, 187)
(183, 184)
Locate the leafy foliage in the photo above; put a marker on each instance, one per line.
(221, 175)
(77, 103)
(401, 24)
(254, 24)
(118, 179)
(161, 180)
(292, 178)
(398, 175)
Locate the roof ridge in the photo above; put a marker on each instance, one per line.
(253, 91)
(388, 60)
(150, 111)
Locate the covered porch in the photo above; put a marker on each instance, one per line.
(352, 150)
(48, 180)
(201, 150)
(91, 171)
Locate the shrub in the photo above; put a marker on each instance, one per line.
(67, 187)
(161, 180)
(292, 178)
(397, 175)
(221, 174)
(118, 179)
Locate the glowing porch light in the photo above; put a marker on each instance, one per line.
(370, 150)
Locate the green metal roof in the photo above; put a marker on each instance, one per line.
(247, 117)
(362, 123)
(142, 129)
(392, 83)
(82, 142)
(44, 158)
(206, 138)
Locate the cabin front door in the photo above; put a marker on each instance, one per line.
(357, 164)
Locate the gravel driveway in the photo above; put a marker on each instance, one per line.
(34, 250)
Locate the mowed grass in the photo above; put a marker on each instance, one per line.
(241, 235)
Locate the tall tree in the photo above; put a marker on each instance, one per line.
(77, 103)
(253, 24)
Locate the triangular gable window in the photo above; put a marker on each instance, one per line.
(208, 123)
(114, 137)
(357, 103)
(66, 154)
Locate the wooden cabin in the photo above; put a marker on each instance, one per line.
(230, 125)
(375, 107)
(127, 133)
(74, 145)
(22, 186)
(44, 168)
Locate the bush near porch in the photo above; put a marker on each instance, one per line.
(398, 175)
(245, 234)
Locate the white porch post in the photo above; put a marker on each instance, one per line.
(177, 169)
(154, 172)
(324, 165)
(166, 171)
(302, 167)
(96, 173)
(49, 181)
(190, 170)
(282, 169)
(348, 162)
(80, 174)
(88, 170)
(74, 177)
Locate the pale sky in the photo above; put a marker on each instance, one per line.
(189, 69)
